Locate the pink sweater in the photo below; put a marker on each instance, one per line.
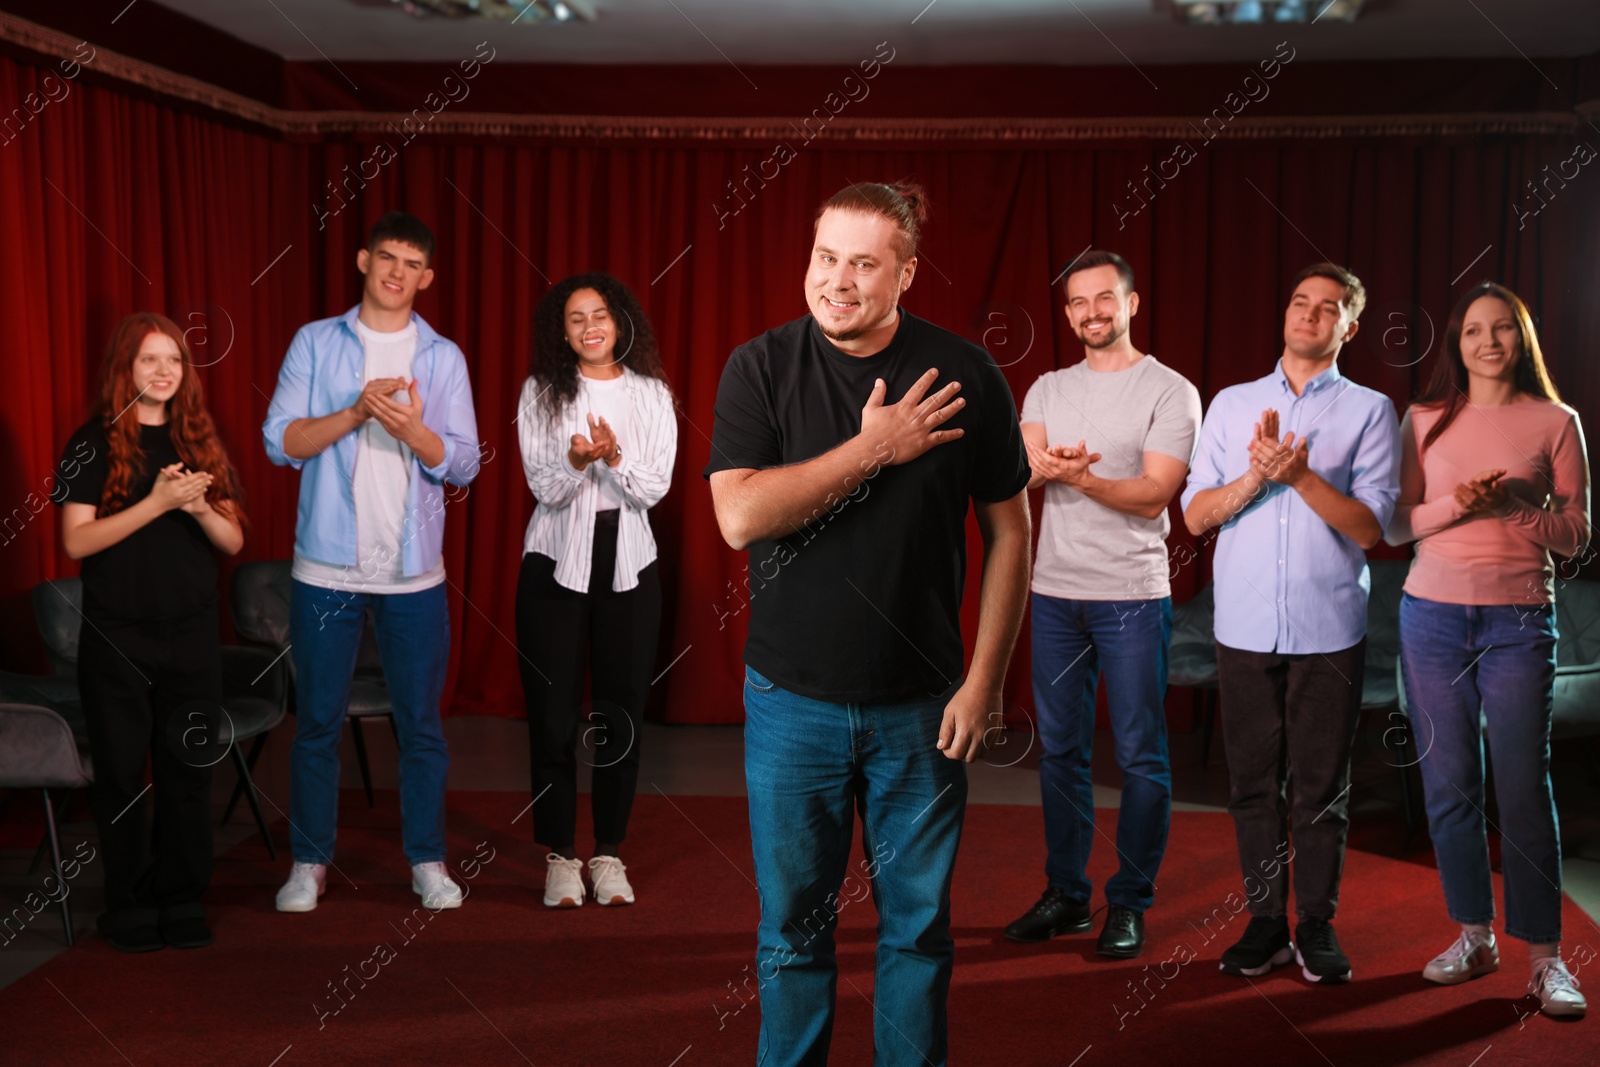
(1492, 557)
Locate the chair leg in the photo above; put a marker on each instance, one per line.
(44, 842)
(238, 787)
(55, 860)
(249, 786)
(361, 758)
(1209, 717)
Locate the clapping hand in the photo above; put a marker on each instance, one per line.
(177, 488)
(1482, 492)
(601, 444)
(1067, 464)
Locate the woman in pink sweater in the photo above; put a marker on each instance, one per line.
(1493, 479)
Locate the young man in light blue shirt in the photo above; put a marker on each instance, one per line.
(375, 409)
(1294, 519)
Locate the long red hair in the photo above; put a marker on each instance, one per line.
(194, 435)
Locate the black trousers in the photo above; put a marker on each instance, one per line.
(565, 636)
(1290, 720)
(152, 695)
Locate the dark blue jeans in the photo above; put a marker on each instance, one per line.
(413, 632)
(1073, 641)
(810, 767)
(1469, 670)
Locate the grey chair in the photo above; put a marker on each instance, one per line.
(1380, 685)
(254, 699)
(38, 751)
(1192, 660)
(261, 614)
(1576, 715)
(58, 613)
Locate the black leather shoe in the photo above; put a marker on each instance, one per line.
(184, 926)
(1122, 937)
(1053, 915)
(132, 929)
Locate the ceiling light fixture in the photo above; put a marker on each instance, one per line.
(499, 10)
(1256, 12)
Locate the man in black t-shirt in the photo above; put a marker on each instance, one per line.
(846, 473)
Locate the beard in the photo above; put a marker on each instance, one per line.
(854, 332)
(1111, 337)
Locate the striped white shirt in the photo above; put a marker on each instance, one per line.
(562, 527)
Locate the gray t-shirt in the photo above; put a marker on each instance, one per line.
(1088, 551)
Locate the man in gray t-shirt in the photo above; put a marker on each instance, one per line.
(1110, 439)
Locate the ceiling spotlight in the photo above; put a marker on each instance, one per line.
(500, 10)
(1255, 12)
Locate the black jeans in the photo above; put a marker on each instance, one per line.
(565, 636)
(152, 693)
(1290, 719)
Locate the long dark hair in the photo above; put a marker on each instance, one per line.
(555, 365)
(194, 436)
(1447, 389)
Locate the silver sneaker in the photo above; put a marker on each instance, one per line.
(1556, 989)
(433, 884)
(563, 882)
(610, 881)
(307, 882)
(1471, 955)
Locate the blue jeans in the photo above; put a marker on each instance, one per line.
(413, 631)
(810, 766)
(1073, 641)
(1465, 666)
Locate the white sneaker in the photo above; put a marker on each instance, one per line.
(1471, 955)
(436, 888)
(563, 882)
(307, 882)
(1556, 989)
(610, 882)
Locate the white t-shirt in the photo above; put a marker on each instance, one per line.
(608, 399)
(382, 483)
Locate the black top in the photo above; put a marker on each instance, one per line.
(165, 569)
(864, 604)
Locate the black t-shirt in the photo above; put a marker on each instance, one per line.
(864, 604)
(166, 569)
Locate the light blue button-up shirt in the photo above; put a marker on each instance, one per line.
(1285, 580)
(323, 373)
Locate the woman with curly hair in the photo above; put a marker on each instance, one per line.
(146, 511)
(1493, 479)
(598, 436)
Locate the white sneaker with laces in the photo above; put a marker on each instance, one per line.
(1471, 955)
(563, 882)
(610, 881)
(307, 882)
(436, 888)
(1556, 989)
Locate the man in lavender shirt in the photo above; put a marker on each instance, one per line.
(1294, 518)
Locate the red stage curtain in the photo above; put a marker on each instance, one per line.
(110, 203)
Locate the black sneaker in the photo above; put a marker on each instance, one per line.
(1319, 955)
(1053, 915)
(1265, 945)
(1122, 937)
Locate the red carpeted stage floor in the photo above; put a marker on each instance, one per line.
(505, 980)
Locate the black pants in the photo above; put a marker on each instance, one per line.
(151, 693)
(1290, 719)
(564, 636)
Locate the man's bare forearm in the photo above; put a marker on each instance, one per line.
(308, 437)
(1349, 516)
(1212, 508)
(778, 501)
(1003, 591)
